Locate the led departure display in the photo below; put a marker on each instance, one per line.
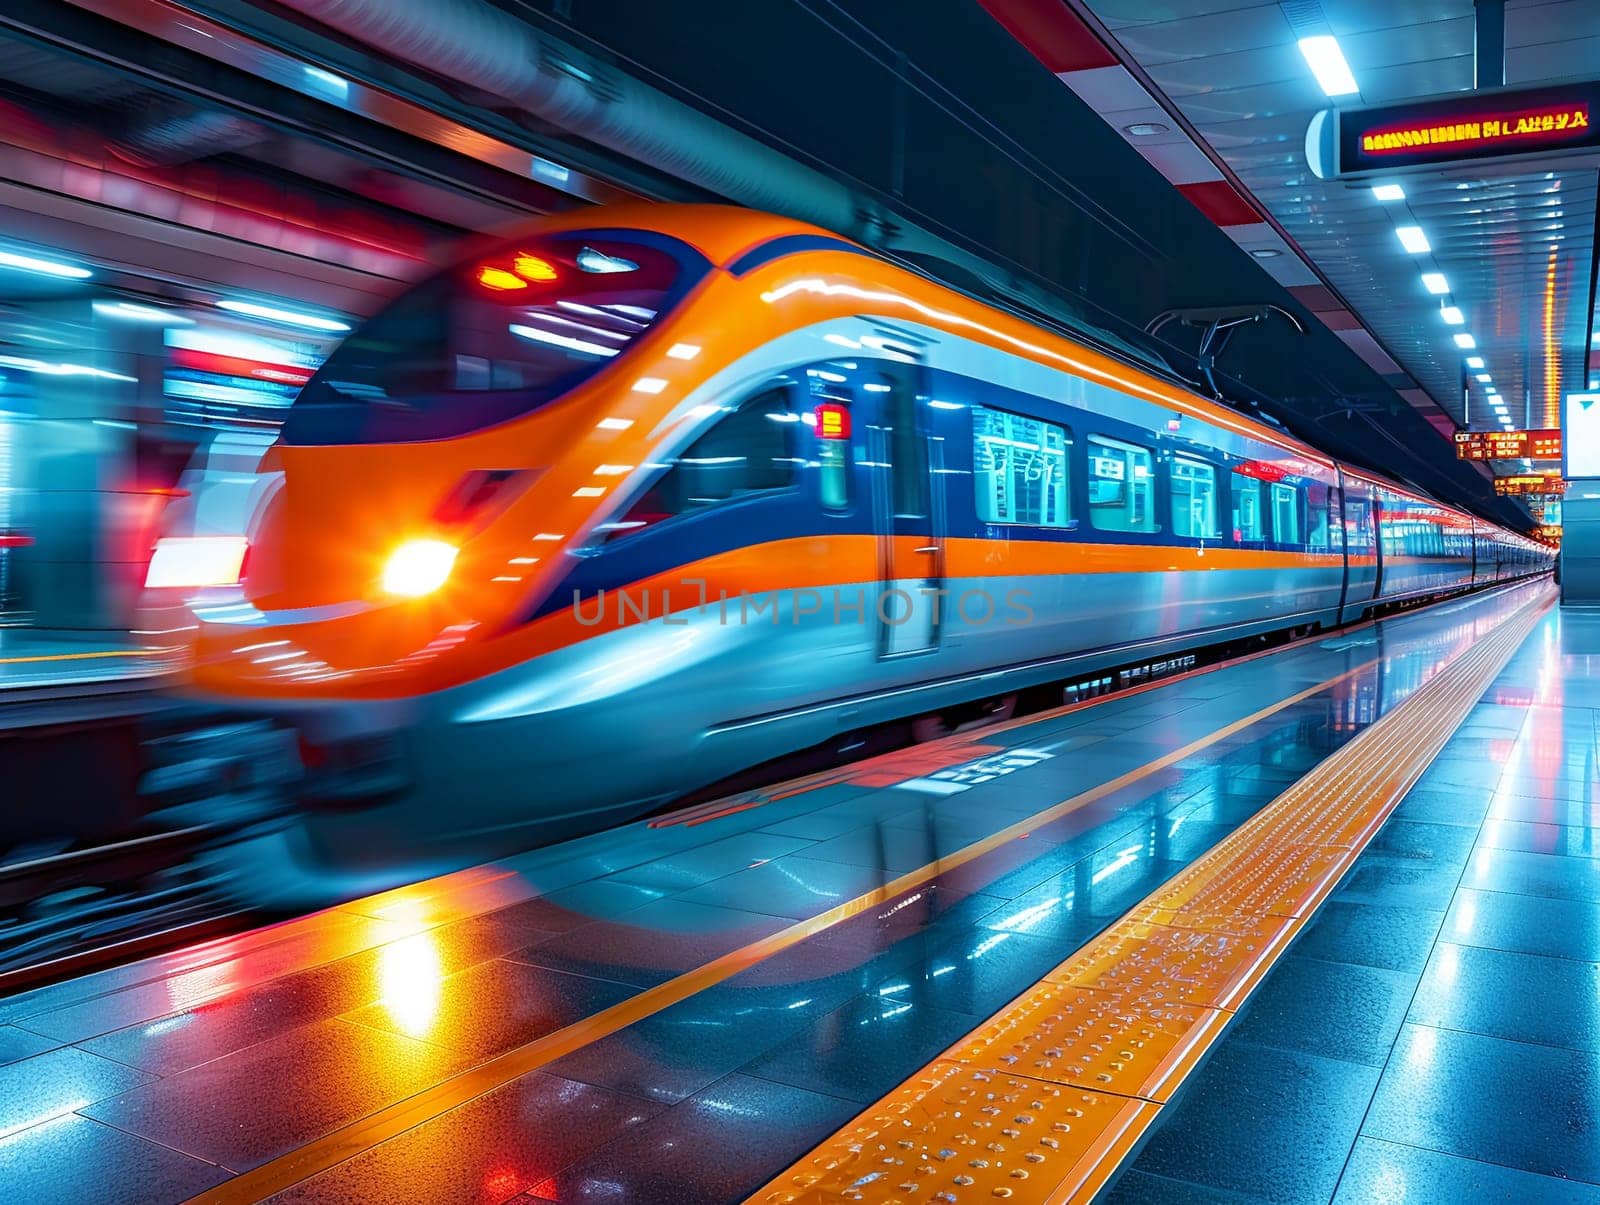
(1480, 126)
(1509, 445)
(1533, 483)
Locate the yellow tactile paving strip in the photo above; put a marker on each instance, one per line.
(1043, 1101)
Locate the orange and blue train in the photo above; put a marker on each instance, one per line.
(642, 497)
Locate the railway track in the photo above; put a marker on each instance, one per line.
(73, 911)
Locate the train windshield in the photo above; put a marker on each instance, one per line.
(493, 339)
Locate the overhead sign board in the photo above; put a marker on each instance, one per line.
(1580, 425)
(1508, 445)
(1531, 483)
(1454, 129)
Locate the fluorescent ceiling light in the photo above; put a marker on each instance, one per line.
(1452, 314)
(1484, 377)
(272, 313)
(1413, 240)
(1327, 63)
(45, 368)
(1388, 192)
(44, 267)
(129, 311)
(1435, 283)
(1496, 400)
(1474, 361)
(1464, 341)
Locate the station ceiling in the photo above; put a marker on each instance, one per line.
(1514, 243)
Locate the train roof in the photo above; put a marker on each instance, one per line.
(726, 233)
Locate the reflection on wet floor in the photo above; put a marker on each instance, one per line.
(707, 1096)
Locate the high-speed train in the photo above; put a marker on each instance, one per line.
(649, 495)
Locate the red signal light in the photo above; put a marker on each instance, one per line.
(833, 421)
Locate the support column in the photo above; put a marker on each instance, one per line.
(1489, 43)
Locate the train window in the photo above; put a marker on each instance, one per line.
(1194, 499)
(750, 451)
(1020, 469)
(1317, 525)
(493, 339)
(1358, 520)
(1285, 512)
(1121, 485)
(1248, 523)
(908, 449)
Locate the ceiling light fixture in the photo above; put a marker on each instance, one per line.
(1435, 283)
(1388, 192)
(1327, 63)
(43, 267)
(1465, 341)
(272, 313)
(1452, 314)
(1474, 361)
(1413, 240)
(131, 312)
(1145, 129)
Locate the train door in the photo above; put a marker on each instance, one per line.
(1362, 551)
(1339, 529)
(1380, 554)
(908, 512)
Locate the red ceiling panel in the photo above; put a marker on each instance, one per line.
(1053, 32)
(1218, 200)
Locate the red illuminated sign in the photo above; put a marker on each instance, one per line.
(1534, 125)
(1262, 470)
(1536, 483)
(1471, 126)
(1543, 444)
(833, 421)
(238, 366)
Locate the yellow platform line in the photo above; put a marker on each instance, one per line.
(295, 1166)
(82, 656)
(1044, 1100)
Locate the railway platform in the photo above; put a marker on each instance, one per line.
(1338, 899)
(49, 677)
(33, 659)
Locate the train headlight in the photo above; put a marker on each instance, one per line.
(418, 567)
(194, 561)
